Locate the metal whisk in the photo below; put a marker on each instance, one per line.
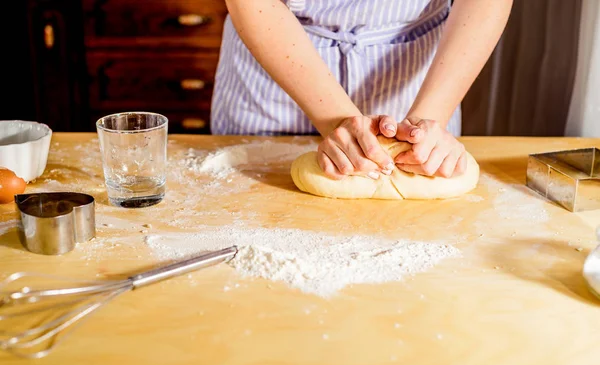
(33, 321)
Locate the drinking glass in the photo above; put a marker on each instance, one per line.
(134, 157)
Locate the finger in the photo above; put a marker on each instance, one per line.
(415, 169)
(461, 165)
(359, 160)
(406, 131)
(372, 150)
(328, 166)
(340, 160)
(448, 167)
(428, 168)
(334, 147)
(419, 153)
(435, 160)
(345, 141)
(387, 126)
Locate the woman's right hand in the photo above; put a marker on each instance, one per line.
(352, 148)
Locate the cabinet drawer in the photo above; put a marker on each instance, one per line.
(189, 122)
(193, 23)
(171, 82)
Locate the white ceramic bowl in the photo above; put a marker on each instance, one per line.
(24, 147)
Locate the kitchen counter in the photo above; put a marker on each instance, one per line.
(515, 296)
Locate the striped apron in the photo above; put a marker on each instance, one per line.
(379, 51)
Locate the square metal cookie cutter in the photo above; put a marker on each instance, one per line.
(52, 223)
(570, 178)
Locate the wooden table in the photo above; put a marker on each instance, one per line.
(515, 297)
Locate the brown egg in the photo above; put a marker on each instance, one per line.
(10, 184)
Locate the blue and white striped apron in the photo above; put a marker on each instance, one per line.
(379, 51)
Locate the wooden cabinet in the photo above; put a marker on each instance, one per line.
(153, 55)
(110, 56)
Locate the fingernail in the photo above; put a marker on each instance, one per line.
(386, 172)
(389, 127)
(373, 175)
(389, 166)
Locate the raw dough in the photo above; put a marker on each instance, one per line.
(309, 177)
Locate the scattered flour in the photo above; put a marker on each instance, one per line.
(223, 162)
(104, 221)
(99, 248)
(516, 201)
(474, 198)
(195, 178)
(516, 211)
(314, 263)
(232, 169)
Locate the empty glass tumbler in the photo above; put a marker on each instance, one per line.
(134, 157)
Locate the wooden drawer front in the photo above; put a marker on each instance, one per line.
(180, 122)
(169, 82)
(194, 23)
(189, 122)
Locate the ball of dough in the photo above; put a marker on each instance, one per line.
(309, 177)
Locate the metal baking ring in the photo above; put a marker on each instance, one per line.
(53, 223)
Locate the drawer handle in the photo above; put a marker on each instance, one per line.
(49, 36)
(190, 20)
(193, 123)
(192, 84)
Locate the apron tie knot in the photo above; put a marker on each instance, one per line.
(347, 41)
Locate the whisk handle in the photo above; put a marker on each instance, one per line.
(183, 267)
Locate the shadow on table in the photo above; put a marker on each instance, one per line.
(279, 178)
(102, 199)
(510, 168)
(122, 275)
(552, 263)
(10, 238)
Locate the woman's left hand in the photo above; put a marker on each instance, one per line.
(435, 151)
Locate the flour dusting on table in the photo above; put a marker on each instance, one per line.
(312, 262)
(226, 160)
(516, 201)
(472, 198)
(515, 210)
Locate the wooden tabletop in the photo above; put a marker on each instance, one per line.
(516, 296)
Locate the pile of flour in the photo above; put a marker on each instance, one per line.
(312, 262)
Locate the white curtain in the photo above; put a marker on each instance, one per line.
(584, 111)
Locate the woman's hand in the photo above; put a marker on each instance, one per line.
(352, 148)
(435, 152)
